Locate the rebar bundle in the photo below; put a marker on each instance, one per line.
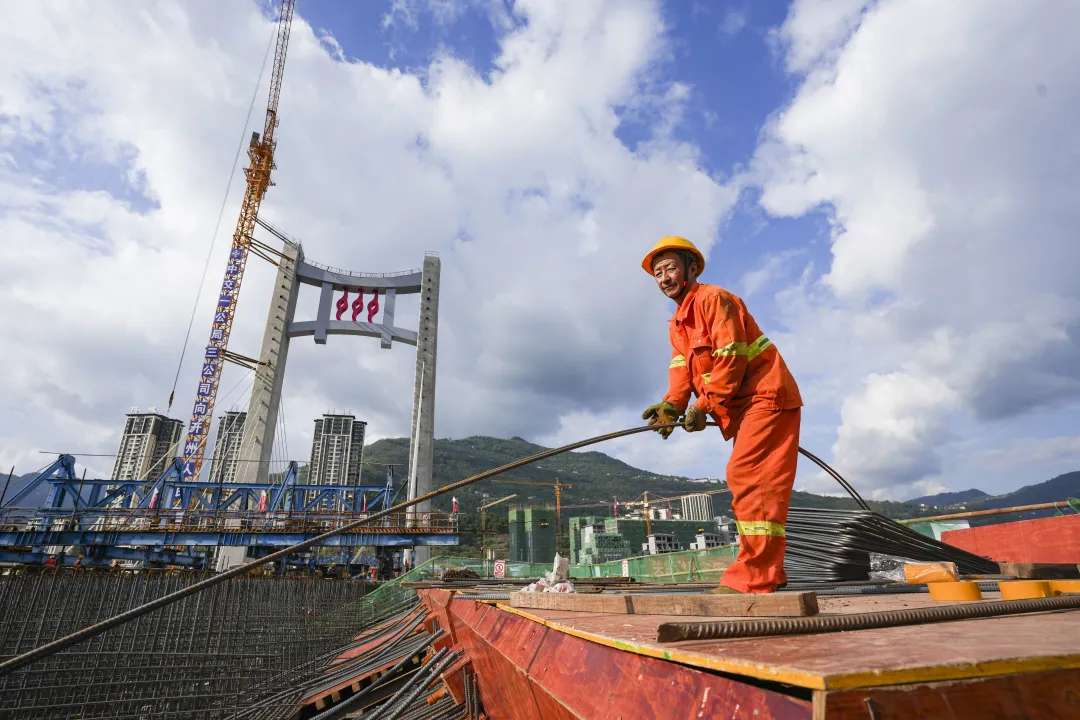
(206, 656)
(826, 545)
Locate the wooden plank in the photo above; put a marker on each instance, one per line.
(1040, 571)
(782, 604)
(785, 604)
(591, 602)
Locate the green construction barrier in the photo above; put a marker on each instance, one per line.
(675, 567)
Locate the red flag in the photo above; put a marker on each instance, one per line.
(357, 304)
(262, 502)
(363, 500)
(342, 303)
(615, 510)
(453, 505)
(373, 306)
(154, 499)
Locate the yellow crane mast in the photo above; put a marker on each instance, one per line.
(261, 155)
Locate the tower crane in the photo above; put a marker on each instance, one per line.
(483, 516)
(261, 155)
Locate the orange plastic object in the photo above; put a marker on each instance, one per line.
(955, 591)
(929, 572)
(1057, 587)
(1023, 589)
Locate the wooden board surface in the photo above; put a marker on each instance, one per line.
(783, 604)
(921, 653)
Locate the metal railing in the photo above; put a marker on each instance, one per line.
(350, 273)
(171, 521)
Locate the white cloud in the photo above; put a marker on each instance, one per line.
(538, 211)
(1020, 455)
(767, 273)
(733, 22)
(938, 137)
(815, 30)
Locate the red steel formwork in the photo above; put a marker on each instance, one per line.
(1043, 540)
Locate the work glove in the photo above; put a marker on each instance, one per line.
(661, 413)
(694, 420)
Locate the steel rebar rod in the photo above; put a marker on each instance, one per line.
(1056, 505)
(405, 689)
(674, 632)
(437, 665)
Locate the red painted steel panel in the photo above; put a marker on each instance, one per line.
(527, 671)
(597, 681)
(454, 679)
(1025, 696)
(1044, 540)
(505, 691)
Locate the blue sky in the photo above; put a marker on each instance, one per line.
(888, 184)
(726, 52)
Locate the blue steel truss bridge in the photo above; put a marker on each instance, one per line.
(171, 521)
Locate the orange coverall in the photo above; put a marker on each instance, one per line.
(720, 354)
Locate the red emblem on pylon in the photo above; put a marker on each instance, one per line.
(342, 303)
(373, 307)
(357, 304)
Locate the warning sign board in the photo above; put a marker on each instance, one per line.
(500, 569)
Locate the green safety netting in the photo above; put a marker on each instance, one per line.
(675, 567)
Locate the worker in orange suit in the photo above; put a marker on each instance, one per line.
(739, 379)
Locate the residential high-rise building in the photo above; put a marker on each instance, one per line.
(337, 450)
(224, 463)
(149, 444)
(697, 507)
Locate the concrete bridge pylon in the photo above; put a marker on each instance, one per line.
(281, 327)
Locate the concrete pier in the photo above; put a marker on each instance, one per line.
(262, 413)
(422, 434)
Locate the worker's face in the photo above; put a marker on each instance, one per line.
(671, 276)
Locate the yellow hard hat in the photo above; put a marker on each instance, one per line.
(672, 242)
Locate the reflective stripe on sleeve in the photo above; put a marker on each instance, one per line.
(707, 377)
(677, 362)
(760, 527)
(749, 351)
(757, 347)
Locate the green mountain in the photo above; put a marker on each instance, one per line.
(1058, 488)
(947, 500)
(596, 478)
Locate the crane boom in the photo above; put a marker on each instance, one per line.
(261, 155)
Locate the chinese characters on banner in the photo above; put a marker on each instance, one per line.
(199, 427)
